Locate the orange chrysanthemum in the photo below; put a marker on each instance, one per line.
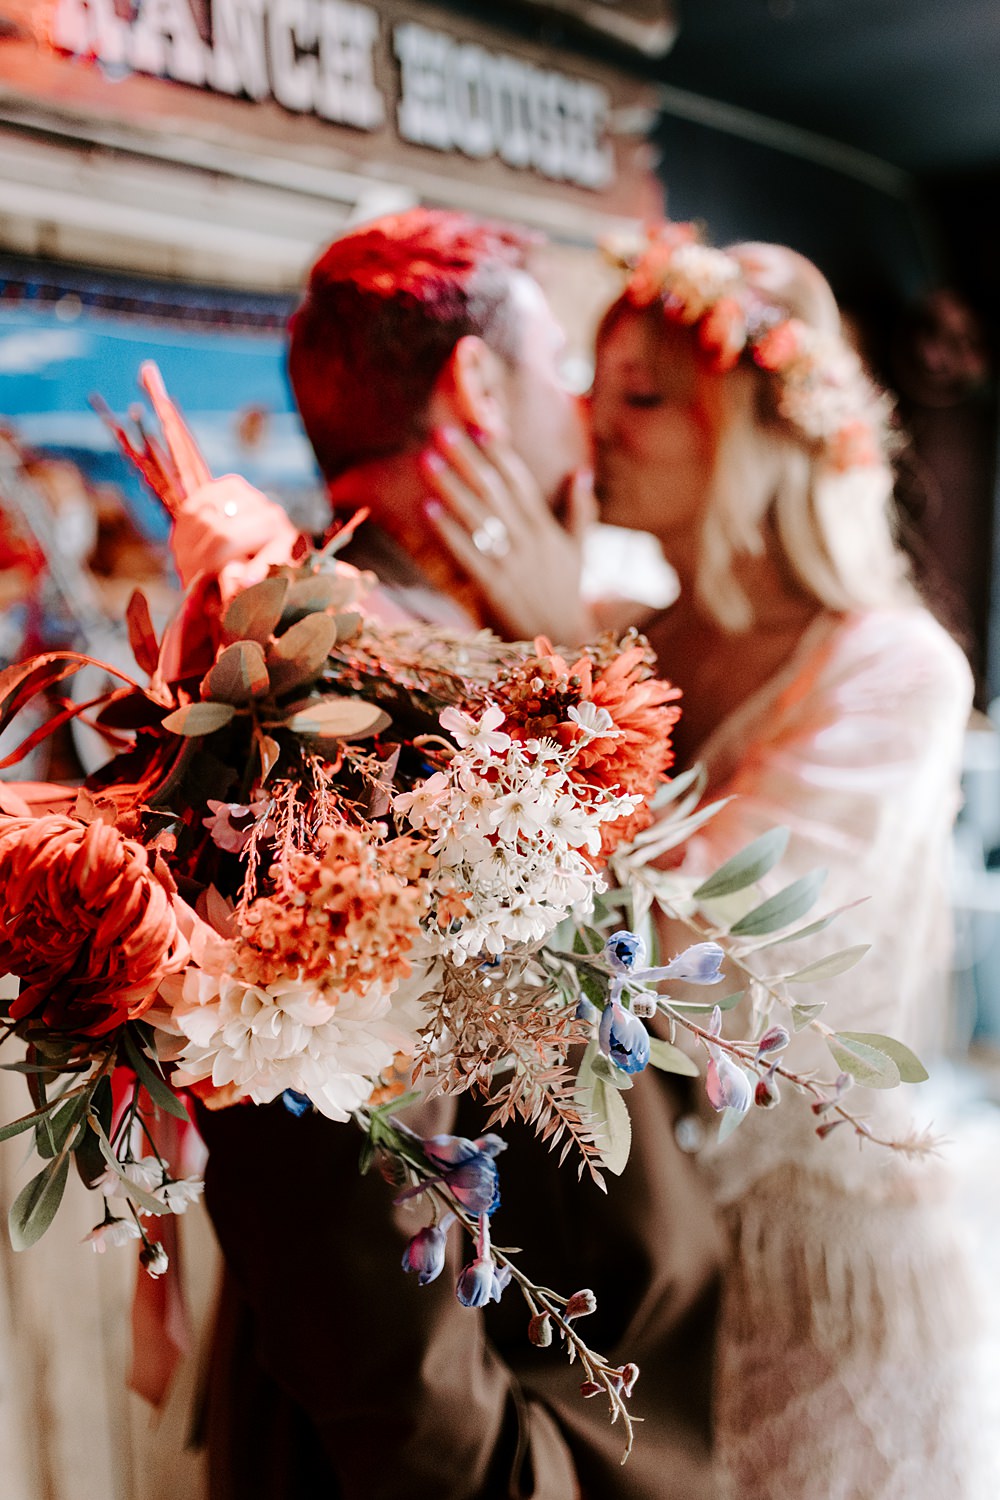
(538, 693)
(87, 923)
(346, 918)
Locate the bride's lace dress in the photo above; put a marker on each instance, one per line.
(851, 1321)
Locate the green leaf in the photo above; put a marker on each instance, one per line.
(153, 1081)
(813, 928)
(611, 1126)
(239, 674)
(138, 1196)
(803, 1014)
(731, 1120)
(366, 1156)
(911, 1069)
(781, 909)
(316, 593)
(870, 1066)
(829, 967)
(746, 867)
(60, 1125)
(339, 719)
(35, 1206)
(674, 789)
(26, 1122)
(588, 941)
(199, 718)
(706, 1007)
(604, 1068)
(254, 614)
(299, 656)
(87, 1154)
(671, 1059)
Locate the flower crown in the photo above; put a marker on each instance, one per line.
(823, 390)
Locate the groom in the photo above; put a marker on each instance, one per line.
(334, 1374)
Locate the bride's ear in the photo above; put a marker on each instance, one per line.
(471, 389)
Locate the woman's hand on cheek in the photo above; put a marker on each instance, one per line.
(490, 514)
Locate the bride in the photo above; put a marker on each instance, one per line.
(732, 421)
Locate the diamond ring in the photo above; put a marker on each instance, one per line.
(492, 538)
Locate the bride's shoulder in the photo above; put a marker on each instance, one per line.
(899, 652)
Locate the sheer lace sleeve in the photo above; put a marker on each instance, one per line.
(858, 755)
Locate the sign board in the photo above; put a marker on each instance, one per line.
(403, 83)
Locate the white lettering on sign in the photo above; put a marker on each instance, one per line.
(456, 96)
(318, 57)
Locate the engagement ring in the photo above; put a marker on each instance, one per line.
(492, 538)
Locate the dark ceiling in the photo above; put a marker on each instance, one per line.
(914, 82)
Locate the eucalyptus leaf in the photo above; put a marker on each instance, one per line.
(153, 1081)
(706, 1007)
(746, 867)
(675, 788)
(339, 719)
(803, 1014)
(731, 1120)
(660, 837)
(239, 674)
(782, 908)
(316, 593)
(196, 719)
(670, 1059)
(829, 967)
(87, 1154)
(911, 1069)
(254, 614)
(605, 1069)
(26, 1122)
(35, 1206)
(820, 925)
(299, 656)
(60, 1125)
(870, 1066)
(611, 1126)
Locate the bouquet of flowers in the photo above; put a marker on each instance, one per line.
(337, 855)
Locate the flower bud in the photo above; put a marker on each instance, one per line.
(481, 1282)
(581, 1304)
(154, 1258)
(775, 1040)
(623, 1038)
(297, 1104)
(699, 964)
(727, 1086)
(824, 1130)
(425, 1253)
(629, 1375)
(540, 1330)
(590, 1388)
(625, 951)
(766, 1094)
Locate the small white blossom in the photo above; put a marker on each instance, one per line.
(481, 733)
(596, 723)
(112, 1232)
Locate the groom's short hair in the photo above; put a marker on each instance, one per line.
(384, 307)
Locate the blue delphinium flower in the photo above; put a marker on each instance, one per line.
(468, 1169)
(425, 1253)
(699, 964)
(296, 1104)
(623, 1038)
(625, 951)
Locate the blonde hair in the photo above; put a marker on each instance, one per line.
(835, 527)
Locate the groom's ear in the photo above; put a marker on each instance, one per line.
(472, 389)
